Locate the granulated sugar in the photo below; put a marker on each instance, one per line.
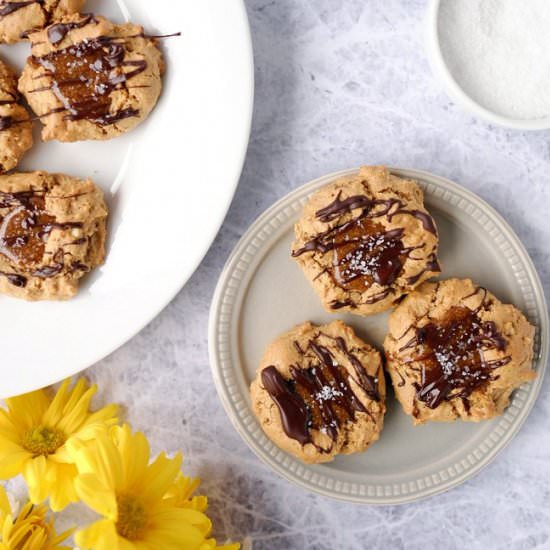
(498, 51)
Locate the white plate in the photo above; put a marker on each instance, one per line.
(263, 293)
(168, 184)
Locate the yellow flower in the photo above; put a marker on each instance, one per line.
(34, 433)
(181, 494)
(30, 530)
(137, 500)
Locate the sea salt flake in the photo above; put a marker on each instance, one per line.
(327, 393)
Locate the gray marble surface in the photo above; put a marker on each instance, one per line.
(340, 83)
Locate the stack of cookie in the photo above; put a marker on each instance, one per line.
(367, 244)
(86, 79)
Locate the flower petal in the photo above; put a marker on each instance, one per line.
(134, 452)
(99, 457)
(54, 412)
(178, 528)
(96, 495)
(75, 412)
(5, 506)
(38, 478)
(8, 430)
(109, 462)
(100, 535)
(107, 416)
(12, 459)
(160, 476)
(63, 491)
(27, 410)
(125, 544)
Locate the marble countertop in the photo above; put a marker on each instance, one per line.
(340, 83)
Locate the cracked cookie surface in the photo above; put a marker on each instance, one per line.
(15, 124)
(52, 232)
(20, 17)
(364, 241)
(454, 351)
(89, 79)
(319, 392)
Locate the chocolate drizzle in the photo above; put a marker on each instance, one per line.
(378, 297)
(24, 228)
(368, 382)
(15, 279)
(48, 271)
(294, 412)
(452, 352)
(432, 265)
(338, 207)
(319, 396)
(426, 220)
(368, 252)
(6, 122)
(11, 7)
(364, 252)
(339, 304)
(84, 75)
(24, 231)
(389, 207)
(57, 32)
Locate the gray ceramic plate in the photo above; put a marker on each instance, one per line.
(262, 293)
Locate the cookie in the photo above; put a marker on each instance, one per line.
(15, 124)
(18, 18)
(52, 232)
(89, 79)
(364, 241)
(455, 352)
(320, 392)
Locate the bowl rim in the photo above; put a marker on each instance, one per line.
(453, 89)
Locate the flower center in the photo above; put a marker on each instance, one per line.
(132, 518)
(44, 441)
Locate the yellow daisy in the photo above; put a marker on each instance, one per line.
(30, 530)
(136, 499)
(34, 433)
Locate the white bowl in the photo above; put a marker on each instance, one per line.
(453, 89)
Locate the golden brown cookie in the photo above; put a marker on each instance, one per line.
(52, 232)
(366, 240)
(15, 125)
(455, 352)
(88, 78)
(320, 392)
(20, 17)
